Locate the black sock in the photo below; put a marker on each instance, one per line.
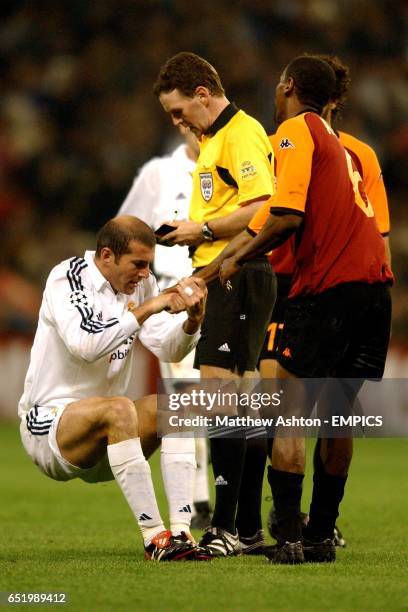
(249, 519)
(328, 491)
(286, 490)
(202, 507)
(227, 457)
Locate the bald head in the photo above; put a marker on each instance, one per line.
(117, 234)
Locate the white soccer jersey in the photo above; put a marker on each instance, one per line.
(161, 191)
(83, 344)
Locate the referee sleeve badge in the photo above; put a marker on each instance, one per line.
(248, 171)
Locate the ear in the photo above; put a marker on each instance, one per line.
(203, 94)
(107, 255)
(288, 86)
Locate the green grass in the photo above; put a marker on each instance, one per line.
(82, 539)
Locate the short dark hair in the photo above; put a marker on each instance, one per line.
(343, 80)
(314, 80)
(186, 71)
(117, 233)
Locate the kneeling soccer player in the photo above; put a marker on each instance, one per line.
(75, 420)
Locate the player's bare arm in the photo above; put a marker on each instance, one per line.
(211, 271)
(274, 233)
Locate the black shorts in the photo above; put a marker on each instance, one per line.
(341, 333)
(275, 327)
(235, 321)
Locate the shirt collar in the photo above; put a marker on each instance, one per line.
(308, 109)
(98, 279)
(222, 119)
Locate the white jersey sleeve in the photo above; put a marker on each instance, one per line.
(163, 333)
(69, 306)
(164, 336)
(144, 194)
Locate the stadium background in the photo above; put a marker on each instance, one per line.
(77, 119)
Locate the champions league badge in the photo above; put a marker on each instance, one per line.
(206, 185)
(78, 298)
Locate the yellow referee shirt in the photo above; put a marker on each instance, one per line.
(235, 165)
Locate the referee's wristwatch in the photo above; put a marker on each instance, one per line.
(207, 233)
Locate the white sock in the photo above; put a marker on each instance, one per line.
(132, 473)
(201, 492)
(178, 468)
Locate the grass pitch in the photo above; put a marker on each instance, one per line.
(82, 539)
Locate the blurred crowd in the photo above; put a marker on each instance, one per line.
(78, 116)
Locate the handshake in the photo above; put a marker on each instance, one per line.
(189, 294)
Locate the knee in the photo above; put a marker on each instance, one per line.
(288, 457)
(337, 464)
(149, 409)
(121, 412)
(338, 459)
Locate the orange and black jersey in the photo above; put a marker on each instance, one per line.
(366, 161)
(369, 169)
(338, 241)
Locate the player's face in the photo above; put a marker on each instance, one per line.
(188, 112)
(280, 100)
(131, 268)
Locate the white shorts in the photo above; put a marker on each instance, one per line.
(38, 431)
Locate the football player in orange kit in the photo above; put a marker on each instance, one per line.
(282, 258)
(337, 320)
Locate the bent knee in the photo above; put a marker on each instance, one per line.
(120, 409)
(289, 459)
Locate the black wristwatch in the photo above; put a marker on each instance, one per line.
(207, 233)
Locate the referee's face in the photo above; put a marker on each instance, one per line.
(126, 272)
(189, 112)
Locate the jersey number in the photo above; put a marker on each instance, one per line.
(360, 197)
(272, 329)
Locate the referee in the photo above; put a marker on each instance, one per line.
(232, 179)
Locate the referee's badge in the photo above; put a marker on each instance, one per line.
(206, 185)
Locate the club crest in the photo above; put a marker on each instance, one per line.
(206, 185)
